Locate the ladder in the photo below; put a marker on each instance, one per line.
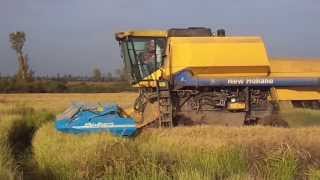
(165, 104)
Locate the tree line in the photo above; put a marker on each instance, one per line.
(25, 79)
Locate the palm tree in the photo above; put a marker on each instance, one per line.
(17, 40)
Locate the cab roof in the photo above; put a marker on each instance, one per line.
(141, 33)
(173, 32)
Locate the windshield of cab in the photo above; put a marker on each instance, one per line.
(143, 56)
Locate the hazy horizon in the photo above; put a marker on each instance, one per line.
(75, 36)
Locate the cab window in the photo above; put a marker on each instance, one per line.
(143, 56)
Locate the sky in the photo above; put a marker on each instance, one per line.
(76, 36)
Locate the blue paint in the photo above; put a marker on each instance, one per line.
(185, 78)
(88, 121)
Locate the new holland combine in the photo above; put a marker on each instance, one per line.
(194, 76)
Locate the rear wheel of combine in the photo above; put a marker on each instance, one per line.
(274, 120)
(214, 118)
(270, 117)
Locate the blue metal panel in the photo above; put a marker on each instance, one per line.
(109, 120)
(185, 78)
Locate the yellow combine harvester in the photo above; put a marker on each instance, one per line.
(192, 76)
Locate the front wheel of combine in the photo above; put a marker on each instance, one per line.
(150, 114)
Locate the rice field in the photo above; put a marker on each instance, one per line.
(58, 102)
(32, 149)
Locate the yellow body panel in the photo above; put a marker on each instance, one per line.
(300, 94)
(150, 79)
(218, 56)
(236, 106)
(295, 67)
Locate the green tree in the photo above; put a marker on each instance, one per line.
(109, 76)
(97, 75)
(17, 40)
(121, 74)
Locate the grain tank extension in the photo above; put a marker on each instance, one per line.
(193, 76)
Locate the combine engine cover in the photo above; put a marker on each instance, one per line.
(218, 56)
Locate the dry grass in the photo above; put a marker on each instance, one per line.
(199, 152)
(22, 114)
(214, 137)
(71, 156)
(59, 102)
(8, 168)
(18, 122)
(299, 117)
(259, 142)
(102, 156)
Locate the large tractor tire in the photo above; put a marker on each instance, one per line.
(150, 114)
(216, 118)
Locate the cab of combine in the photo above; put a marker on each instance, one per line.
(193, 49)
